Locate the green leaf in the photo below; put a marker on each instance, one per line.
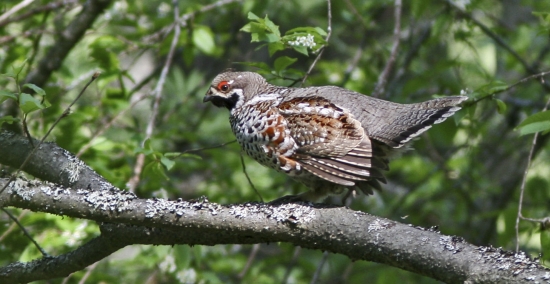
(535, 123)
(274, 47)
(497, 87)
(272, 27)
(247, 28)
(28, 103)
(188, 155)
(283, 62)
(301, 49)
(104, 51)
(155, 168)
(8, 119)
(5, 95)
(35, 88)
(203, 39)
(534, 127)
(169, 164)
(260, 65)
(545, 244)
(172, 154)
(181, 155)
(252, 16)
(501, 106)
(321, 32)
(147, 144)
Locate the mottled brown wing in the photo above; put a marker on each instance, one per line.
(332, 144)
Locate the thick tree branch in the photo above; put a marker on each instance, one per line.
(65, 264)
(336, 229)
(49, 162)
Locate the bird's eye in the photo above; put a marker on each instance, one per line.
(223, 86)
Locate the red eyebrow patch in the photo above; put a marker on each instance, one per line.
(223, 86)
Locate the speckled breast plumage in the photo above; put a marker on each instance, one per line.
(264, 135)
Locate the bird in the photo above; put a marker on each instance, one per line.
(326, 137)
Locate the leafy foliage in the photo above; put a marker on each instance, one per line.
(463, 176)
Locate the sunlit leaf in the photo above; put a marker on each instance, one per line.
(5, 95)
(8, 119)
(203, 39)
(28, 103)
(35, 88)
(535, 123)
(283, 62)
(169, 164)
(501, 106)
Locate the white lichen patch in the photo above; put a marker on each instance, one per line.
(378, 225)
(285, 213)
(114, 200)
(517, 263)
(74, 167)
(55, 191)
(158, 206)
(20, 187)
(451, 244)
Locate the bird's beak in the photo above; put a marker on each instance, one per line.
(208, 97)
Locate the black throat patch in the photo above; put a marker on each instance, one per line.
(229, 103)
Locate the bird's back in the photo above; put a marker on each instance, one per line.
(389, 122)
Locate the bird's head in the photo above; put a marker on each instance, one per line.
(233, 89)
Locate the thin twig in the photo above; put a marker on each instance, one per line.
(534, 76)
(352, 8)
(319, 268)
(89, 271)
(15, 9)
(44, 253)
(322, 49)
(383, 78)
(157, 92)
(524, 180)
(249, 180)
(12, 226)
(63, 115)
(291, 264)
(251, 257)
(46, 8)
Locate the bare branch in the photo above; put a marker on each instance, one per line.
(26, 233)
